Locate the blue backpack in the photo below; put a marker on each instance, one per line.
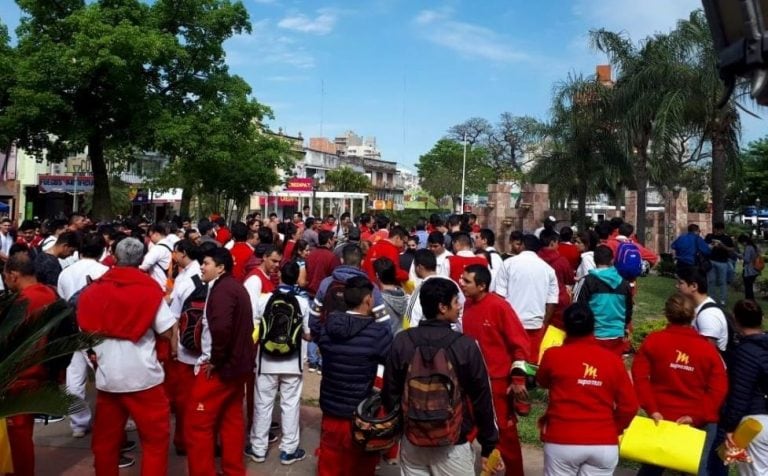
(628, 261)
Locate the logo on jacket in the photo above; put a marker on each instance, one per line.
(590, 376)
(681, 362)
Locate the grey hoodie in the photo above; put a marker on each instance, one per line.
(396, 303)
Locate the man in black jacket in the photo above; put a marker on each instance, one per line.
(439, 301)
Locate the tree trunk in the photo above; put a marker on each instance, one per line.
(719, 164)
(186, 199)
(102, 200)
(641, 182)
(582, 204)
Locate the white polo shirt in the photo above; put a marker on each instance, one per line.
(157, 260)
(441, 269)
(125, 366)
(183, 287)
(711, 323)
(75, 277)
(528, 283)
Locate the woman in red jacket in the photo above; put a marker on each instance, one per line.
(679, 376)
(591, 401)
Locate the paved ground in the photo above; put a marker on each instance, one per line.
(57, 453)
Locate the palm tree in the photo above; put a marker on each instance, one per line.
(20, 350)
(582, 157)
(345, 179)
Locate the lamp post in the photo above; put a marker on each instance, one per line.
(738, 30)
(315, 186)
(463, 172)
(76, 170)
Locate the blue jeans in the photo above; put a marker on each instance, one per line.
(313, 354)
(717, 279)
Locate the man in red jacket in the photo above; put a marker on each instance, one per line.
(565, 274)
(391, 248)
(463, 257)
(591, 401)
(490, 320)
(241, 251)
(321, 261)
(226, 362)
(20, 277)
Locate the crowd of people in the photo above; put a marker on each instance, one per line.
(425, 337)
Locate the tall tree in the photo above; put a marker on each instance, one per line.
(98, 74)
(346, 179)
(440, 170)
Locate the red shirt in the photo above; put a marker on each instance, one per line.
(458, 263)
(320, 264)
(565, 277)
(384, 249)
(678, 372)
(288, 250)
(570, 252)
(223, 235)
(591, 400)
(241, 252)
(498, 331)
(37, 297)
(266, 283)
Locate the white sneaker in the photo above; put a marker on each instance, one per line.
(79, 433)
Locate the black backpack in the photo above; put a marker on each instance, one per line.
(733, 335)
(191, 317)
(281, 325)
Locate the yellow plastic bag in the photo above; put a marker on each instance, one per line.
(554, 337)
(6, 463)
(667, 444)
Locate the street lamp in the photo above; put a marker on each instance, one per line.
(315, 186)
(738, 30)
(77, 169)
(463, 172)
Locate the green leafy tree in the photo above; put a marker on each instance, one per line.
(440, 170)
(750, 182)
(99, 74)
(8, 128)
(345, 179)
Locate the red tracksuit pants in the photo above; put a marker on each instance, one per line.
(179, 379)
(215, 405)
(338, 455)
(149, 409)
(509, 442)
(535, 337)
(20, 428)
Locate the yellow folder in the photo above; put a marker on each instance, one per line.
(667, 444)
(553, 337)
(6, 464)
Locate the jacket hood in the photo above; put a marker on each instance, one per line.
(548, 255)
(344, 272)
(341, 325)
(396, 299)
(609, 276)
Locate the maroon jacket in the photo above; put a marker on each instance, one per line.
(230, 321)
(320, 264)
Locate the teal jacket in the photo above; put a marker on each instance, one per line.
(610, 298)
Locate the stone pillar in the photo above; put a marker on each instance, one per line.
(676, 214)
(534, 202)
(630, 207)
(498, 208)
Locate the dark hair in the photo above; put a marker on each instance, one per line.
(352, 255)
(353, 234)
(579, 320)
(603, 255)
(426, 259)
(482, 274)
(589, 239)
(56, 225)
(462, 239)
(73, 217)
(189, 248)
(93, 246)
(603, 230)
(357, 288)
(679, 309)
(204, 226)
(268, 249)
(421, 224)
(436, 238)
(266, 237)
(309, 222)
(221, 257)
(718, 226)
(693, 276)
(382, 222)
(615, 222)
(414, 238)
(435, 292)
(190, 231)
(547, 237)
(239, 231)
(488, 235)
(21, 262)
(159, 228)
(626, 229)
(693, 228)
(566, 234)
(385, 270)
(27, 225)
(516, 235)
(324, 237)
(69, 238)
(289, 230)
(748, 314)
(207, 246)
(220, 221)
(298, 247)
(289, 273)
(531, 243)
(398, 231)
(745, 239)
(454, 220)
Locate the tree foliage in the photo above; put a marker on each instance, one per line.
(440, 170)
(750, 182)
(345, 179)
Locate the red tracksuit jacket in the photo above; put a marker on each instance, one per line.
(384, 249)
(591, 400)
(677, 372)
(495, 325)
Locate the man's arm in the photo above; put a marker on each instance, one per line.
(220, 324)
(502, 278)
(150, 259)
(518, 345)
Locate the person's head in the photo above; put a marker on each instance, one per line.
(66, 244)
(615, 222)
(353, 235)
(604, 230)
(306, 211)
(626, 229)
(129, 252)
(694, 228)
(603, 256)
(77, 222)
(748, 315)
(587, 240)
(531, 243)
(266, 237)
(157, 232)
(254, 224)
(239, 232)
(186, 223)
(273, 217)
(485, 239)
(549, 239)
(325, 238)
(516, 242)
(566, 234)
(205, 228)
(193, 235)
(185, 251)
(454, 221)
(19, 271)
(330, 220)
(421, 224)
(57, 227)
(424, 263)
(472, 218)
(289, 273)
(461, 242)
(352, 255)
(92, 246)
(579, 320)
(216, 262)
(679, 309)
(289, 229)
(398, 237)
(358, 295)
(745, 239)
(27, 230)
(436, 243)
(344, 218)
(382, 222)
(309, 223)
(385, 271)
(300, 250)
(5, 224)
(413, 243)
(272, 258)
(219, 223)
(475, 281)
(692, 282)
(718, 228)
(439, 299)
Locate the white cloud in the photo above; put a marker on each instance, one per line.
(322, 24)
(637, 18)
(264, 46)
(465, 38)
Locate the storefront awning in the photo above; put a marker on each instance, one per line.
(65, 183)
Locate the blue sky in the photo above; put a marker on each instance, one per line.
(406, 71)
